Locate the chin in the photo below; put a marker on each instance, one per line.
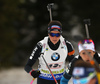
(54, 42)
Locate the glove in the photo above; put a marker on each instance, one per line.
(35, 73)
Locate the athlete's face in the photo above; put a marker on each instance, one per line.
(54, 36)
(85, 56)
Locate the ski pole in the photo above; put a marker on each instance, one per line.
(49, 6)
(32, 80)
(87, 22)
(49, 68)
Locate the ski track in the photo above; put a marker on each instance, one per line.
(17, 76)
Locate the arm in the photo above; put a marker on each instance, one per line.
(68, 73)
(66, 76)
(70, 51)
(65, 80)
(32, 59)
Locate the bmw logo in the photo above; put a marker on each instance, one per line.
(55, 56)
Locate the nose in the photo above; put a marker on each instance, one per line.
(54, 37)
(87, 56)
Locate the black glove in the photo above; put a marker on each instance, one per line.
(35, 73)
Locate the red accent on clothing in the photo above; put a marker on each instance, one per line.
(31, 71)
(71, 53)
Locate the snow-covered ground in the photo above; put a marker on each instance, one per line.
(16, 76)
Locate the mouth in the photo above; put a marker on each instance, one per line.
(54, 40)
(87, 60)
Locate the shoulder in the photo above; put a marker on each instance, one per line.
(68, 44)
(70, 48)
(98, 54)
(77, 56)
(97, 57)
(70, 66)
(73, 60)
(39, 44)
(44, 40)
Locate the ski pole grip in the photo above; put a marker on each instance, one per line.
(87, 21)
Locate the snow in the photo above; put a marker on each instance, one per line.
(16, 76)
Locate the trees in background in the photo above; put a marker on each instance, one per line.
(24, 22)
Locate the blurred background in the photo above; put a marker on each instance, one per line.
(24, 22)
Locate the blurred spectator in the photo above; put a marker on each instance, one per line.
(87, 53)
(84, 73)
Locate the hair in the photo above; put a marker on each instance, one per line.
(55, 21)
(81, 63)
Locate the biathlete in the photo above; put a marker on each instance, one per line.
(56, 49)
